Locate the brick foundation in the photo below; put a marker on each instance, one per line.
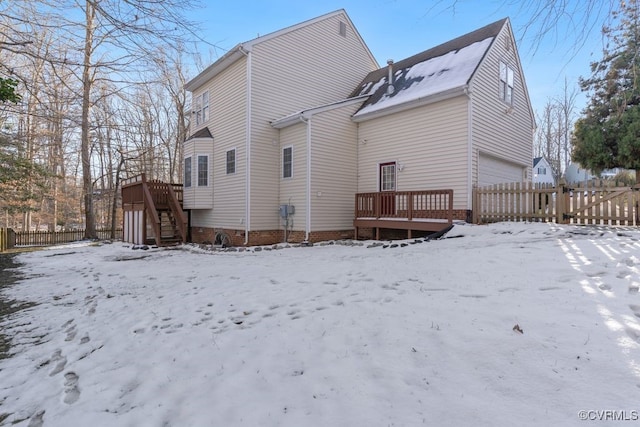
(265, 237)
(270, 237)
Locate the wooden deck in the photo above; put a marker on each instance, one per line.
(425, 210)
(153, 212)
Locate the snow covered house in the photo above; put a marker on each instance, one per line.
(542, 172)
(300, 135)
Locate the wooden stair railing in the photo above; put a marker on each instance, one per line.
(178, 214)
(152, 213)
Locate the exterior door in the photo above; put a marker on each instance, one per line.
(387, 189)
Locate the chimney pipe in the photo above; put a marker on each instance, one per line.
(390, 88)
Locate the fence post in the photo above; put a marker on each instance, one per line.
(3, 239)
(562, 193)
(475, 205)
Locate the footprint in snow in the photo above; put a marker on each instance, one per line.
(71, 333)
(61, 362)
(37, 420)
(634, 334)
(623, 274)
(636, 309)
(596, 274)
(71, 389)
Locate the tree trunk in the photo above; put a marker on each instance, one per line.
(87, 187)
(114, 202)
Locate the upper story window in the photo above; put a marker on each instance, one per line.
(187, 172)
(287, 162)
(506, 83)
(542, 171)
(342, 29)
(231, 161)
(203, 171)
(201, 108)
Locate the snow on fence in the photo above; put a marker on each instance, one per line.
(594, 202)
(10, 239)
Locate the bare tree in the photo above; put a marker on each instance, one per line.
(118, 41)
(555, 125)
(567, 24)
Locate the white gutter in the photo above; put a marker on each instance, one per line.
(216, 68)
(247, 178)
(302, 115)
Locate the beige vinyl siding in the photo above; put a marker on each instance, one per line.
(333, 169)
(500, 130)
(198, 197)
(293, 190)
(227, 123)
(431, 142)
(307, 67)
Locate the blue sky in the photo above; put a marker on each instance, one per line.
(396, 29)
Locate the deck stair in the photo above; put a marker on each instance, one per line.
(153, 212)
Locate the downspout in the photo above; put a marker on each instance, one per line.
(469, 149)
(307, 228)
(247, 178)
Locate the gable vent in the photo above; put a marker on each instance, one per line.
(343, 29)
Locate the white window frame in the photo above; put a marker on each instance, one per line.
(288, 147)
(188, 178)
(201, 108)
(226, 157)
(506, 83)
(382, 184)
(198, 157)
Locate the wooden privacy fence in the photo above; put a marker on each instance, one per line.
(593, 202)
(10, 239)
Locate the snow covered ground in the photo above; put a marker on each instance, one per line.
(332, 335)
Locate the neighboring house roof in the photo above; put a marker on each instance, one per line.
(443, 70)
(536, 160)
(201, 133)
(241, 49)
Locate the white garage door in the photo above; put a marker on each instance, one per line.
(492, 170)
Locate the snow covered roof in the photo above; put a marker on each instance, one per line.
(437, 71)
